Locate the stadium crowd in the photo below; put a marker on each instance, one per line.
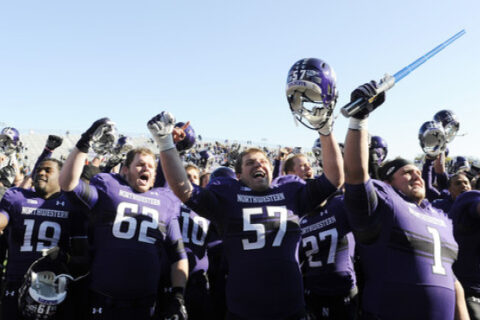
(174, 227)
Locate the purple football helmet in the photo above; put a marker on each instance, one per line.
(44, 288)
(432, 138)
(459, 164)
(9, 140)
(449, 122)
(123, 145)
(380, 148)
(223, 172)
(189, 139)
(206, 158)
(311, 83)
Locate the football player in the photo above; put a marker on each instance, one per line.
(465, 214)
(406, 246)
(37, 220)
(132, 222)
(199, 237)
(457, 184)
(326, 253)
(258, 222)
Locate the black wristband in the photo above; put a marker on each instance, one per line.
(84, 143)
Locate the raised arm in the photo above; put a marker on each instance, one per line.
(427, 176)
(53, 142)
(360, 195)
(440, 172)
(332, 160)
(161, 127)
(356, 143)
(73, 166)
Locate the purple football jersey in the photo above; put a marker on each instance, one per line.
(36, 224)
(129, 230)
(443, 204)
(197, 237)
(328, 248)
(466, 225)
(261, 235)
(408, 266)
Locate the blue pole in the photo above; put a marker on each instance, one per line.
(389, 81)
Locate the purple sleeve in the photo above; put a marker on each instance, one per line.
(361, 202)
(316, 191)
(203, 201)
(84, 193)
(442, 180)
(427, 174)
(5, 204)
(174, 244)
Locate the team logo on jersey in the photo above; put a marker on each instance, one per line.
(42, 212)
(9, 293)
(413, 210)
(97, 310)
(133, 196)
(319, 225)
(243, 198)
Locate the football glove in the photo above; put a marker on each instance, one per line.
(161, 127)
(368, 92)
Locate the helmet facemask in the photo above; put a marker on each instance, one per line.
(43, 290)
(432, 138)
(449, 122)
(9, 140)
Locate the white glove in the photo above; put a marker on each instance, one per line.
(322, 120)
(161, 127)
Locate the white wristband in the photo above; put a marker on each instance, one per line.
(358, 124)
(165, 142)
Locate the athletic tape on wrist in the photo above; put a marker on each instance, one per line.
(358, 124)
(165, 143)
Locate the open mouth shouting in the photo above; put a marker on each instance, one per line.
(259, 174)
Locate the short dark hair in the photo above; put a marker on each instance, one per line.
(58, 162)
(238, 162)
(456, 175)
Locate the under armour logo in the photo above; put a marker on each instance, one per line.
(325, 312)
(475, 299)
(10, 293)
(96, 310)
(60, 203)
